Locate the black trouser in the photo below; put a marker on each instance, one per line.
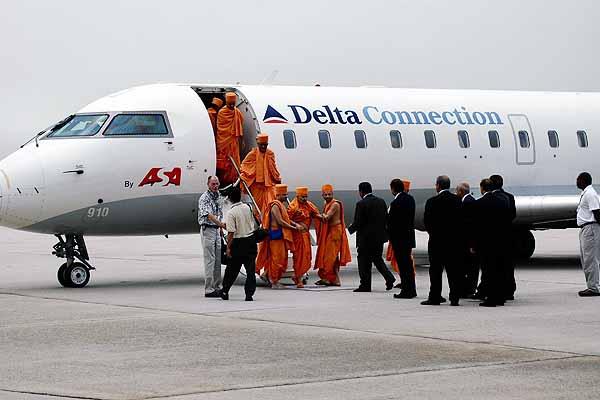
(440, 258)
(492, 274)
(510, 284)
(243, 251)
(469, 272)
(405, 268)
(367, 256)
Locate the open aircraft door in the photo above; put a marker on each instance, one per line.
(524, 140)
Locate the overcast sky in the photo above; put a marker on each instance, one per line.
(56, 56)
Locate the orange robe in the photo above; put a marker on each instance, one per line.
(273, 254)
(260, 173)
(333, 249)
(389, 256)
(303, 214)
(229, 131)
(212, 114)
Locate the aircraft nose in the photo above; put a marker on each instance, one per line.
(21, 189)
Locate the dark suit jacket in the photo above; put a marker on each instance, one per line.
(442, 219)
(468, 218)
(401, 221)
(370, 221)
(490, 219)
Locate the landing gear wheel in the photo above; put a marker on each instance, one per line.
(77, 275)
(61, 275)
(525, 245)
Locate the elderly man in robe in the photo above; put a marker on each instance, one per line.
(273, 251)
(333, 250)
(259, 172)
(301, 211)
(229, 134)
(213, 110)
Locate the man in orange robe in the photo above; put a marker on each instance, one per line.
(213, 110)
(301, 211)
(229, 133)
(259, 172)
(273, 251)
(333, 249)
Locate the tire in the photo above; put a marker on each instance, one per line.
(525, 245)
(77, 275)
(61, 275)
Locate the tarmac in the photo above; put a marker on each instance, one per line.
(143, 329)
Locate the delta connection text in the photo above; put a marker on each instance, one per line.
(377, 116)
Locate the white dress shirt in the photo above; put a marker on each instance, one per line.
(587, 203)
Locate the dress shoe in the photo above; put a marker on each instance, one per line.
(361, 290)
(509, 297)
(398, 285)
(487, 304)
(249, 298)
(454, 303)
(389, 285)
(215, 293)
(430, 303)
(588, 293)
(403, 295)
(225, 295)
(442, 299)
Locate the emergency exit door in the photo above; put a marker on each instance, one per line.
(523, 136)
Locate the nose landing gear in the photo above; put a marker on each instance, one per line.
(73, 274)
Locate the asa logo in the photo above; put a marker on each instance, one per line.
(173, 177)
(272, 116)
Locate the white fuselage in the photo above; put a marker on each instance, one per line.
(95, 185)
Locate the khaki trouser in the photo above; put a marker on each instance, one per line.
(589, 244)
(211, 244)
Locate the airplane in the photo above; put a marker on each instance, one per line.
(136, 161)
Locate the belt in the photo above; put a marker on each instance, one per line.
(209, 226)
(586, 224)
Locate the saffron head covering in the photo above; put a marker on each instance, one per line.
(230, 97)
(327, 188)
(280, 189)
(217, 102)
(262, 138)
(302, 191)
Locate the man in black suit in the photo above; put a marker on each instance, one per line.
(401, 230)
(506, 240)
(369, 224)
(467, 231)
(441, 219)
(491, 213)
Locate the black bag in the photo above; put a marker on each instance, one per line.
(224, 258)
(259, 233)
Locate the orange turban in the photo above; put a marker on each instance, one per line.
(302, 191)
(406, 185)
(327, 188)
(280, 189)
(217, 102)
(230, 97)
(263, 138)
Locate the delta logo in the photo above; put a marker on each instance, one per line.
(272, 116)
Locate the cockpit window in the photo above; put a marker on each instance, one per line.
(137, 125)
(79, 125)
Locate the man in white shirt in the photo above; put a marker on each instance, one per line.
(588, 216)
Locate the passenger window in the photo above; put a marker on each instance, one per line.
(430, 139)
(494, 139)
(463, 139)
(79, 125)
(360, 138)
(289, 139)
(137, 125)
(582, 139)
(553, 139)
(324, 139)
(396, 139)
(524, 139)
